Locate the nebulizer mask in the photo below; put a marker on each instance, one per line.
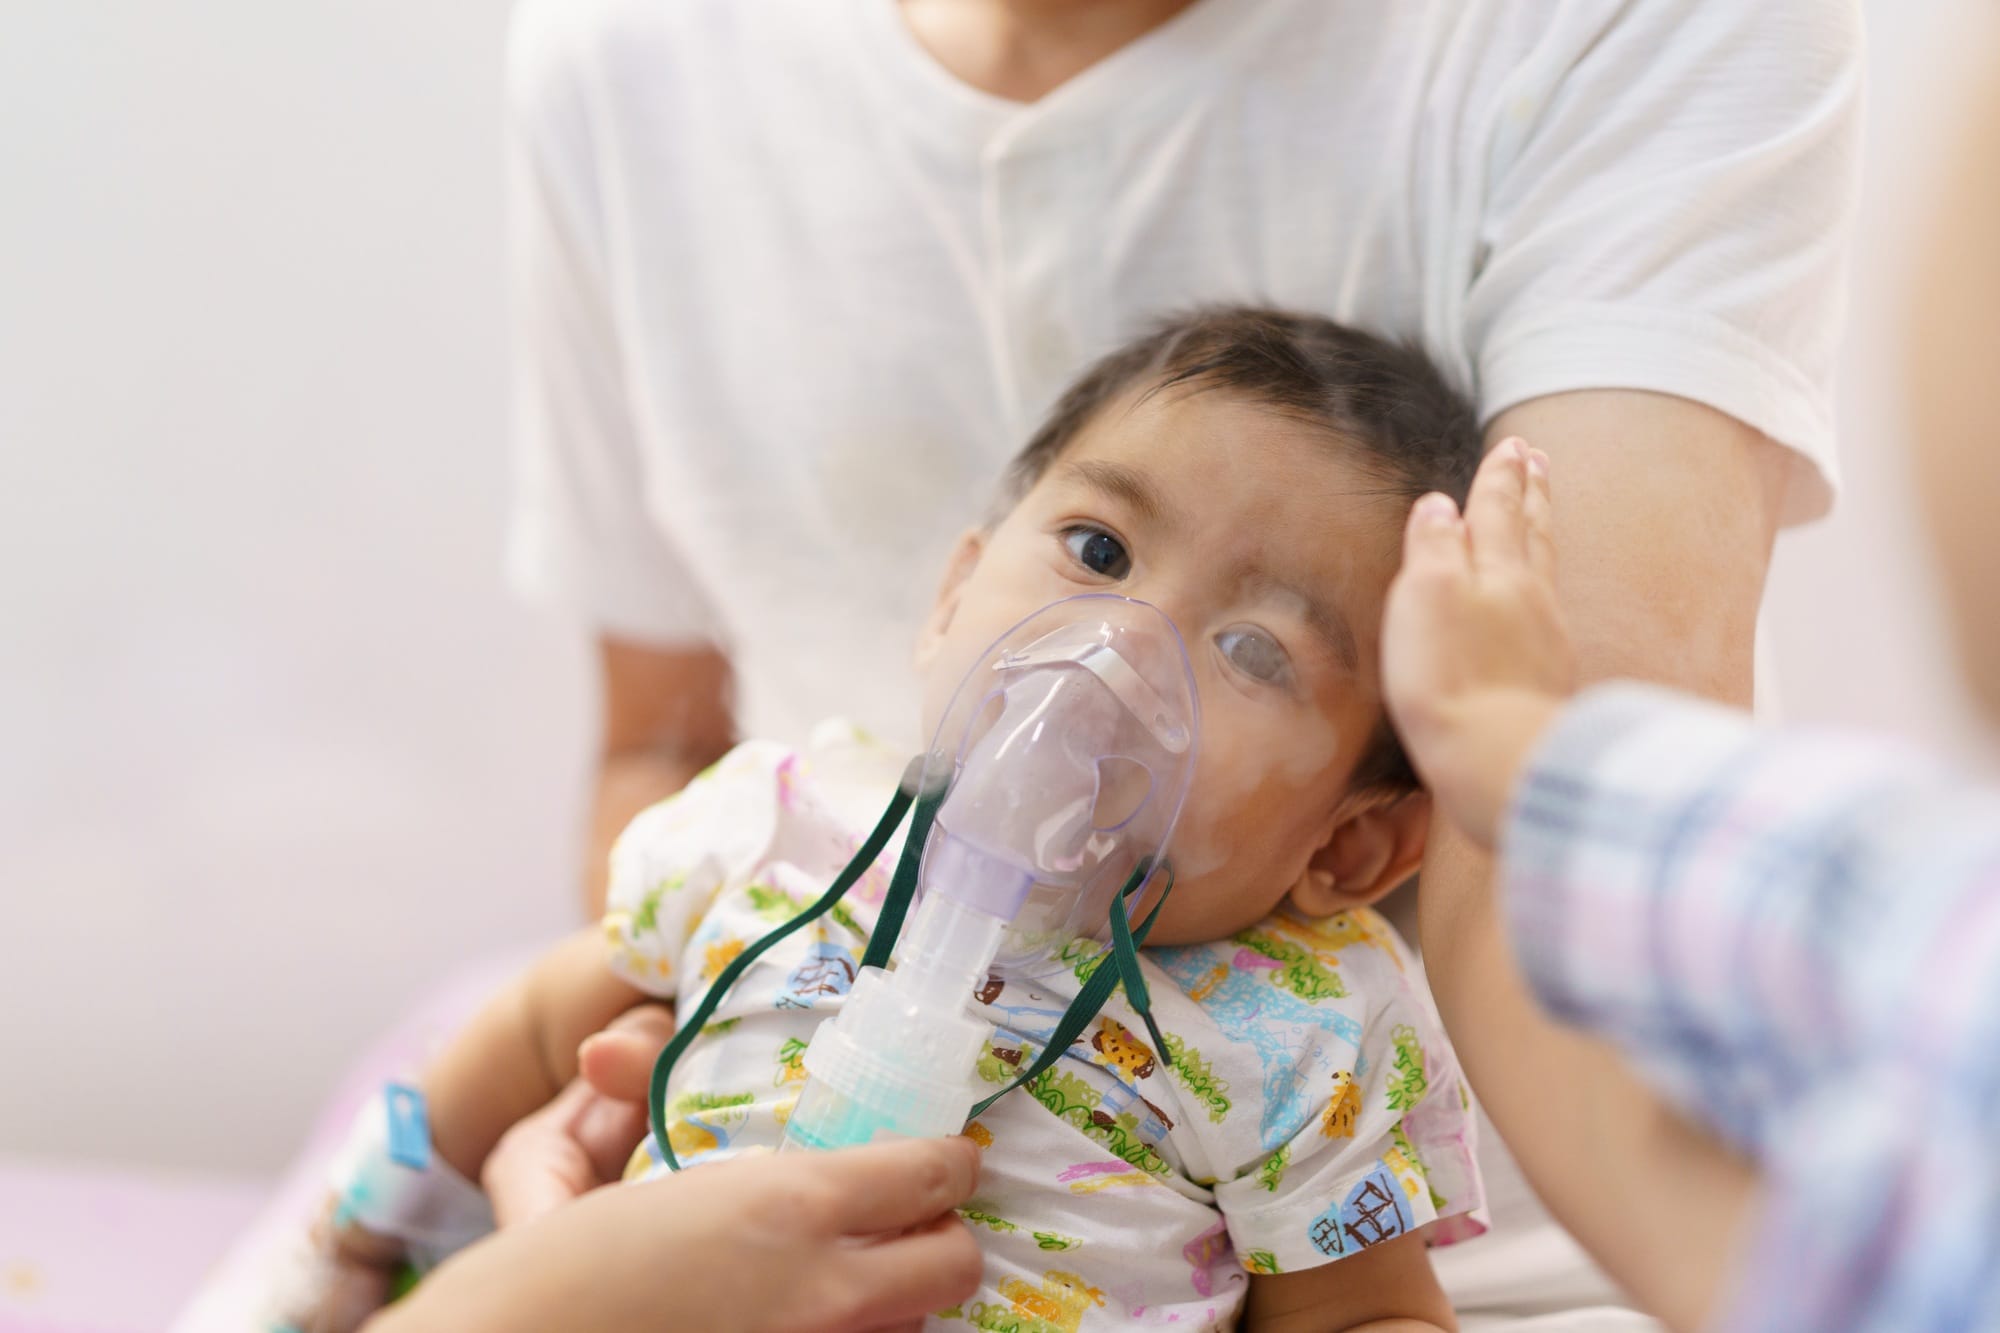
(1042, 813)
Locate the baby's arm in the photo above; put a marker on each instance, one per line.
(520, 1050)
(1387, 1288)
(508, 1062)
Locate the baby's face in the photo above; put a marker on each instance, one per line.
(1271, 553)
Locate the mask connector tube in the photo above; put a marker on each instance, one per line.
(895, 1062)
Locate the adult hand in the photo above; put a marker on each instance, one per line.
(839, 1242)
(1475, 659)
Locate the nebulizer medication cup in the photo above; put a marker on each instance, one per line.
(1063, 762)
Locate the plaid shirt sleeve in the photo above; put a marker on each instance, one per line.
(1796, 935)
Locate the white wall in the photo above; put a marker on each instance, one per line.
(265, 708)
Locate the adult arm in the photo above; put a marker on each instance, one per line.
(666, 716)
(1665, 515)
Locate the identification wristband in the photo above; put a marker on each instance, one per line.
(392, 1182)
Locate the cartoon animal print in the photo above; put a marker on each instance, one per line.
(1121, 1050)
(1344, 1110)
(1057, 1306)
(1342, 930)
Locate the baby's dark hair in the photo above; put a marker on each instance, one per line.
(1406, 426)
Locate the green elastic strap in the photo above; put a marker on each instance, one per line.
(1123, 966)
(903, 887)
(899, 804)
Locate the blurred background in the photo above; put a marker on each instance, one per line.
(277, 748)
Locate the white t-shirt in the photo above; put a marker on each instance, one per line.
(790, 295)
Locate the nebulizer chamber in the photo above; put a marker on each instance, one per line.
(1063, 761)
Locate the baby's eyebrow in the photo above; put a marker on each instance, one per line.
(1324, 618)
(1127, 484)
(1332, 629)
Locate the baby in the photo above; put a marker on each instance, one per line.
(1304, 1134)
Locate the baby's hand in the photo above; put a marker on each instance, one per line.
(584, 1137)
(1475, 659)
(559, 1152)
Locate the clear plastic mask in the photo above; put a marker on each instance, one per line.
(1068, 750)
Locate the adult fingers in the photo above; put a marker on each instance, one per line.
(894, 1281)
(618, 1061)
(1538, 513)
(1493, 515)
(888, 1187)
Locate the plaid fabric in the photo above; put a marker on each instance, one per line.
(1796, 935)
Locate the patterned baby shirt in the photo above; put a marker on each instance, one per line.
(1306, 1107)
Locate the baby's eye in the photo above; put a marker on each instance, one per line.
(1098, 551)
(1256, 654)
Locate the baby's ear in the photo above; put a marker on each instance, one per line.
(1374, 845)
(964, 559)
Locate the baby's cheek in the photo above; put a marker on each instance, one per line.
(1226, 829)
(1211, 824)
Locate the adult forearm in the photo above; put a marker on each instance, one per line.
(626, 784)
(666, 716)
(1591, 1137)
(1665, 512)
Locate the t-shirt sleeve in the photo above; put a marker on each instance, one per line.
(1387, 1149)
(1668, 195)
(581, 536)
(674, 857)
